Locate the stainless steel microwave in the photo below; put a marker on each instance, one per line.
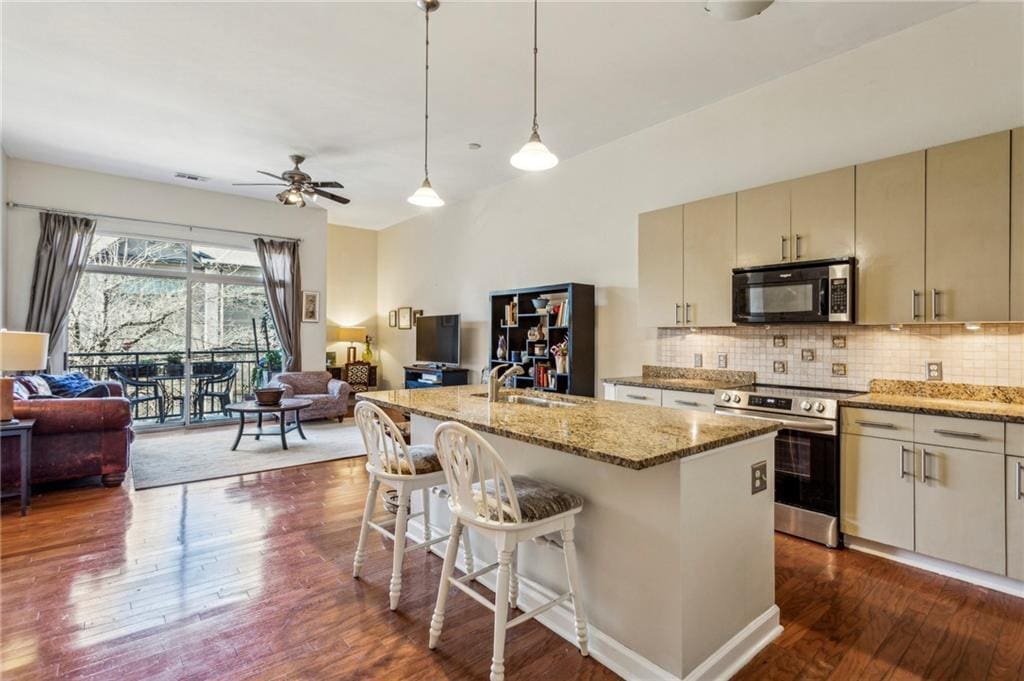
(809, 292)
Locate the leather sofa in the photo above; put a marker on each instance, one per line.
(75, 437)
(329, 395)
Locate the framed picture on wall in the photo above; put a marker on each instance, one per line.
(311, 306)
(405, 317)
(393, 318)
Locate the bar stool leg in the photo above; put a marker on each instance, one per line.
(513, 582)
(569, 544)
(400, 526)
(467, 552)
(501, 608)
(371, 500)
(437, 621)
(426, 514)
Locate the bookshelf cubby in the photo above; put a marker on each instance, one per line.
(575, 321)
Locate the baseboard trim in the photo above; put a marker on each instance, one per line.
(938, 566)
(625, 662)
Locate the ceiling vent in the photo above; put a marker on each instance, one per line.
(190, 177)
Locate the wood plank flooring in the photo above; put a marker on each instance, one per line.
(250, 577)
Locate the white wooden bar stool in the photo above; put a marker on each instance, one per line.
(405, 469)
(508, 510)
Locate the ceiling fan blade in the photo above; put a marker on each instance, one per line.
(327, 185)
(332, 197)
(258, 184)
(276, 177)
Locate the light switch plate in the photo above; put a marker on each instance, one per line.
(698, 360)
(759, 477)
(933, 371)
(723, 360)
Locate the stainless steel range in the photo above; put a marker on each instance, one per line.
(806, 453)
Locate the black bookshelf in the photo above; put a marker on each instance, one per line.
(577, 324)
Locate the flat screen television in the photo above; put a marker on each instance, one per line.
(437, 339)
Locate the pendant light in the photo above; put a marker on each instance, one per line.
(426, 196)
(534, 155)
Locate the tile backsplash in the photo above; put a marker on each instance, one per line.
(850, 356)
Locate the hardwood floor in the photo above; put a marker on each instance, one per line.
(251, 578)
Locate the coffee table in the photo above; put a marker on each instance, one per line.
(281, 409)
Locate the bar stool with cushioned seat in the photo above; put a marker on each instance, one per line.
(508, 510)
(390, 461)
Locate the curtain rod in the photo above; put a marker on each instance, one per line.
(13, 204)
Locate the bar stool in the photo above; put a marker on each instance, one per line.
(405, 469)
(508, 510)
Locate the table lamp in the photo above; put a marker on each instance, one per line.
(19, 351)
(350, 335)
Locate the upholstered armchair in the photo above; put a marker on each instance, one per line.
(328, 395)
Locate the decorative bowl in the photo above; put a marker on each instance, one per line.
(539, 304)
(268, 397)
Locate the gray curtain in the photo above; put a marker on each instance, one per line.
(63, 250)
(283, 281)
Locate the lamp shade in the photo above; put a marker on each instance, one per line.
(23, 351)
(350, 334)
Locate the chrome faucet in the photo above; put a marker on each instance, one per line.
(495, 381)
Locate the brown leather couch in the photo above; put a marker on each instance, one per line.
(75, 437)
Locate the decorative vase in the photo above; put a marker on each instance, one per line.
(367, 353)
(562, 364)
(500, 352)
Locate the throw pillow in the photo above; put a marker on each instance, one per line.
(35, 385)
(67, 385)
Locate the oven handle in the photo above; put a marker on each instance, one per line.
(808, 426)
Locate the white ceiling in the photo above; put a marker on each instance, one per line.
(220, 90)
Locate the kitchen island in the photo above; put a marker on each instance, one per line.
(675, 542)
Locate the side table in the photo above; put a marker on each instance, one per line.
(22, 430)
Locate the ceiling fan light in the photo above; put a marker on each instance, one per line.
(426, 196)
(534, 155)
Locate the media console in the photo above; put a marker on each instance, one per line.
(433, 377)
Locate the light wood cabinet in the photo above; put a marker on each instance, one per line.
(660, 267)
(709, 254)
(1017, 225)
(890, 240)
(822, 215)
(958, 515)
(1015, 517)
(762, 225)
(967, 257)
(878, 490)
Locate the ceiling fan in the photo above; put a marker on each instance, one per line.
(298, 185)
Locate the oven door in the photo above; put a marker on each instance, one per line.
(780, 296)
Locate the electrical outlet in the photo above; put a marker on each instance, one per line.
(698, 360)
(933, 371)
(759, 477)
(723, 360)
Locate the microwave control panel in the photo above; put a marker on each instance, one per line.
(839, 302)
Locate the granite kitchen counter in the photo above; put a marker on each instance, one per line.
(632, 436)
(688, 379)
(961, 400)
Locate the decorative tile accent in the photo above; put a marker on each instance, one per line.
(838, 369)
(838, 342)
(993, 355)
(779, 341)
(807, 354)
(779, 366)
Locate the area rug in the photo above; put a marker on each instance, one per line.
(160, 459)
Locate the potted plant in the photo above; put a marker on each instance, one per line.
(174, 364)
(145, 368)
(561, 354)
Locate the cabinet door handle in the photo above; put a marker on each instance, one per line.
(677, 313)
(959, 433)
(924, 466)
(1020, 486)
(914, 314)
(784, 240)
(686, 314)
(935, 304)
(876, 424)
(687, 403)
(797, 244)
(903, 460)
(637, 397)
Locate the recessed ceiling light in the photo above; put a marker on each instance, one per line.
(190, 177)
(474, 145)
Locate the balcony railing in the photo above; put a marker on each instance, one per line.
(149, 374)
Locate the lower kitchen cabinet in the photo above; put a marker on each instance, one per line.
(1015, 517)
(655, 397)
(682, 399)
(878, 490)
(958, 515)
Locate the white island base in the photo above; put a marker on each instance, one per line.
(676, 561)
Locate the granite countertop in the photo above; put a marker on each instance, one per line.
(690, 380)
(628, 435)
(961, 400)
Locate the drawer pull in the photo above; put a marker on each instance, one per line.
(637, 397)
(903, 460)
(924, 467)
(687, 403)
(959, 433)
(876, 424)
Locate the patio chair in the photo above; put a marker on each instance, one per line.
(139, 392)
(217, 388)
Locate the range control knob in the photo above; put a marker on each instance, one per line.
(726, 397)
(819, 407)
(805, 405)
(736, 399)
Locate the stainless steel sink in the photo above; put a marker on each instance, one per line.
(530, 401)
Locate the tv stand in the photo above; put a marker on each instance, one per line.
(433, 376)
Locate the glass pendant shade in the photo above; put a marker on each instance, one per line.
(426, 196)
(291, 197)
(534, 155)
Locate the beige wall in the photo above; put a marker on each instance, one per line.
(578, 222)
(351, 294)
(84, 191)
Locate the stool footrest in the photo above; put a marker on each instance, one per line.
(474, 574)
(538, 610)
(429, 542)
(473, 594)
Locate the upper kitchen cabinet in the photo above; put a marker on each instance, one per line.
(709, 254)
(967, 231)
(890, 240)
(1017, 225)
(762, 225)
(822, 215)
(660, 267)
